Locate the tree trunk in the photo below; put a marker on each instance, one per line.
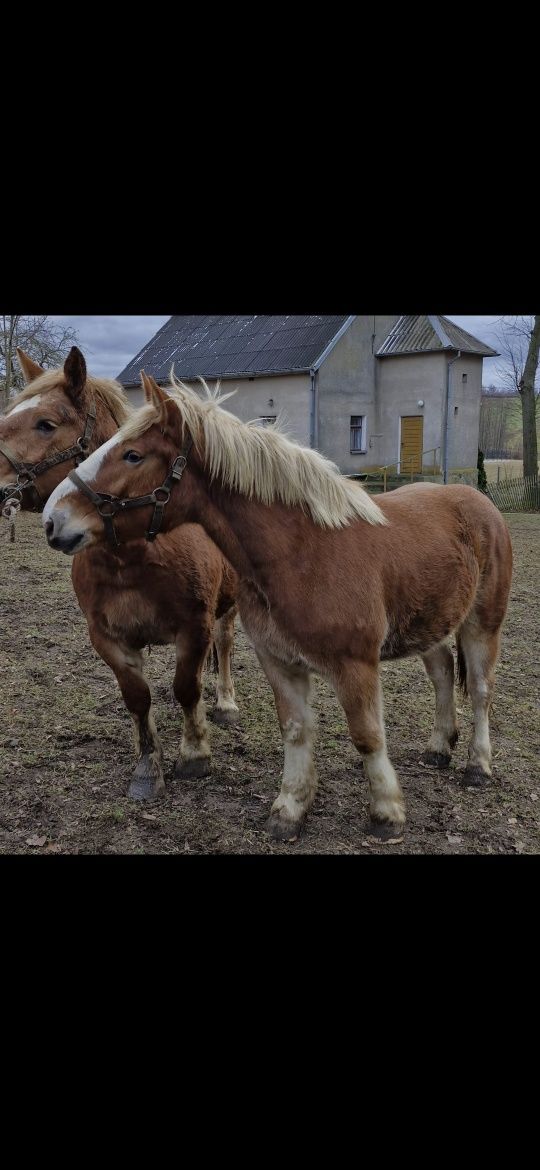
(528, 403)
(7, 349)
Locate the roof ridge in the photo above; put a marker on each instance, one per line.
(460, 329)
(435, 322)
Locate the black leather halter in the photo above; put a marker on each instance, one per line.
(108, 505)
(27, 473)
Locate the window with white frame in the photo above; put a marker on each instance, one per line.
(358, 434)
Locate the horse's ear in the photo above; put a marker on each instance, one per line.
(75, 372)
(171, 422)
(30, 368)
(152, 392)
(169, 414)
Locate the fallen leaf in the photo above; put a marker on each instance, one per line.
(512, 820)
(453, 840)
(519, 846)
(148, 817)
(533, 795)
(36, 842)
(54, 848)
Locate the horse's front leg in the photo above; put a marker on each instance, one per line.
(358, 688)
(192, 645)
(226, 710)
(147, 782)
(291, 686)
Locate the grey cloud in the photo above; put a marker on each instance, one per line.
(109, 343)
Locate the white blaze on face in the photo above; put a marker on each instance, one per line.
(27, 404)
(86, 471)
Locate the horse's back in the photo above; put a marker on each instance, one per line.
(460, 513)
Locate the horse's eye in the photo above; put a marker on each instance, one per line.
(45, 427)
(132, 457)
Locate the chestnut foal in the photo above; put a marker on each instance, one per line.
(331, 581)
(178, 589)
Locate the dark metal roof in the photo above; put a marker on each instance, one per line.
(229, 347)
(429, 334)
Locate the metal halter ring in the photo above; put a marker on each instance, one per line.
(160, 495)
(24, 480)
(112, 504)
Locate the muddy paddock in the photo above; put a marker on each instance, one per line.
(67, 749)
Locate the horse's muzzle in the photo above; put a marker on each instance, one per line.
(62, 537)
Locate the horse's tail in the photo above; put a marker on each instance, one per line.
(461, 666)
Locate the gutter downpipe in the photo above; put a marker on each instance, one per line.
(313, 409)
(447, 416)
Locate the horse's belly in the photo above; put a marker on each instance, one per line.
(418, 632)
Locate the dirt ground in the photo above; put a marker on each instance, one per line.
(67, 750)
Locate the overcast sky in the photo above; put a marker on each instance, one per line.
(109, 343)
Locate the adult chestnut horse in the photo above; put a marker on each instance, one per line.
(134, 594)
(331, 581)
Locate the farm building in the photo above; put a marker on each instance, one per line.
(401, 391)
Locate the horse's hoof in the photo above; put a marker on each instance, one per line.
(386, 832)
(436, 759)
(224, 718)
(144, 786)
(198, 766)
(474, 777)
(281, 830)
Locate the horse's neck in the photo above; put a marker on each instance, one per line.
(254, 537)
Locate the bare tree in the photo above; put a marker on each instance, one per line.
(45, 340)
(519, 340)
(500, 427)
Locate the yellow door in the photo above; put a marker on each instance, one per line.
(412, 443)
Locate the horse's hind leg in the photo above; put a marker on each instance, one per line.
(192, 644)
(439, 665)
(147, 782)
(359, 691)
(480, 650)
(225, 711)
(291, 685)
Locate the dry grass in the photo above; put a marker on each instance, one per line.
(66, 745)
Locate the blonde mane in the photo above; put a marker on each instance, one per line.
(261, 462)
(111, 393)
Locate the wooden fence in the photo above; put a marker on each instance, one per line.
(516, 495)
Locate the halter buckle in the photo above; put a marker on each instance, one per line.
(179, 466)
